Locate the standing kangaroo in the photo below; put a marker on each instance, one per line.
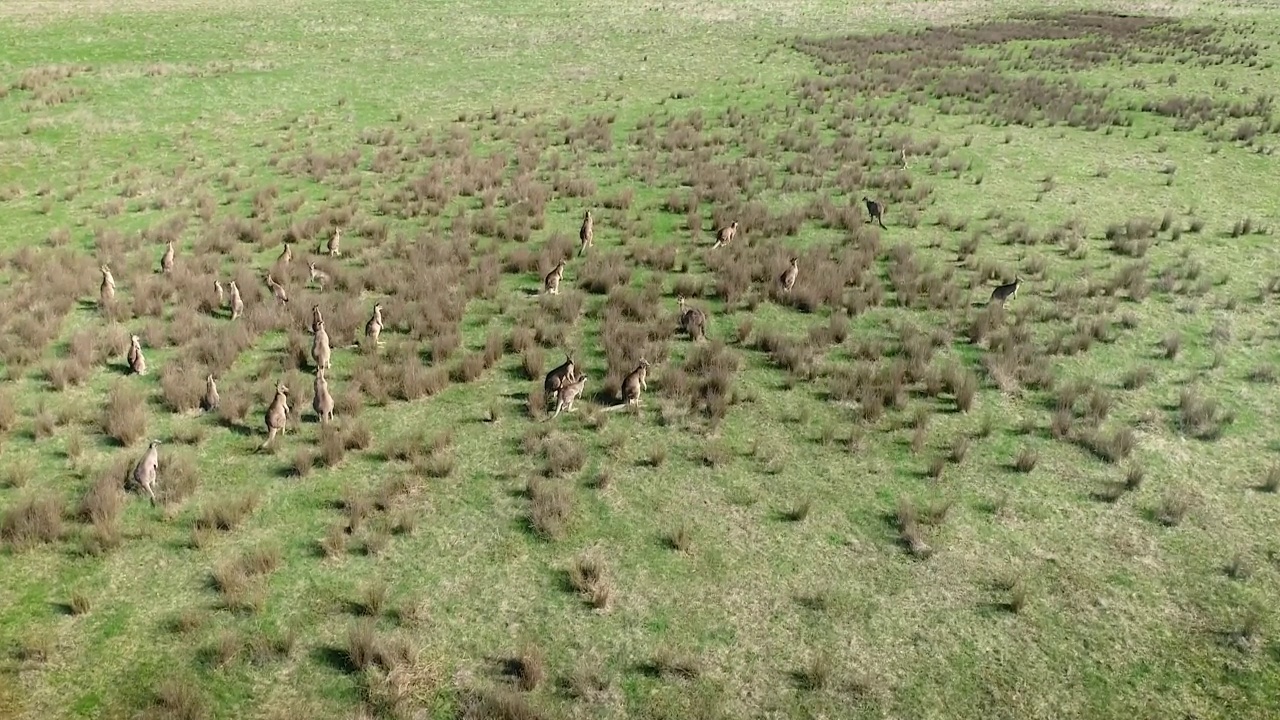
(144, 473)
(559, 375)
(586, 233)
(551, 283)
(166, 260)
(373, 328)
(333, 247)
(320, 351)
(1004, 292)
(692, 320)
(222, 294)
(137, 363)
(211, 399)
(317, 318)
(237, 302)
(285, 255)
(875, 210)
(277, 414)
(281, 295)
(107, 292)
(568, 393)
(319, 277)
(726, 234)
(322, 403)
(632, 384)
(788, 277)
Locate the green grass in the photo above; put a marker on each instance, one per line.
(754, 562)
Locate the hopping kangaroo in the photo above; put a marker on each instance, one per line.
(726, 234)
(559, 375)
(551, 282)
(586, 233)
(277, 414)
(137, 363)
(323, 401)
(144, 473)
(373, 328)
(568, 393)
(1004, 292)
(632, 384)
(875, 210)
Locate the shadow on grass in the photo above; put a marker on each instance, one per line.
(334, 658)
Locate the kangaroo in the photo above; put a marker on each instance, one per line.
(237, 303)
(1004, 292)
(373, 328)
(586, 234)
(222, 294)
(559, 375)
(318, 276)
(875, 210)
(137, 363)
(568, 394)
(788, 277)
(551, 283)
(322, 403)
(332, 248)
(107, 292)
(277, 413)
(317, 319)
(632, 384)
(285, 255)
(320, 351)
(692, 320)
(903, 159)
(725, 235)
(144, 473)
(211, 399)
(166, 260)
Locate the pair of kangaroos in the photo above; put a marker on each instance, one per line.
(565, 384)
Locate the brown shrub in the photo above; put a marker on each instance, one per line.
(124, 416)
(469, 369)
(31, 521)
(529, 667)
(589, 576)
(1026, 460)
(551, 505)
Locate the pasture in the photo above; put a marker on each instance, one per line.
(871, 491)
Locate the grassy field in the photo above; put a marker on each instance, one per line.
(873, 496)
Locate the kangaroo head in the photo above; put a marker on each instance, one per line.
(377, 307)
(281, 389)
(644, 363)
